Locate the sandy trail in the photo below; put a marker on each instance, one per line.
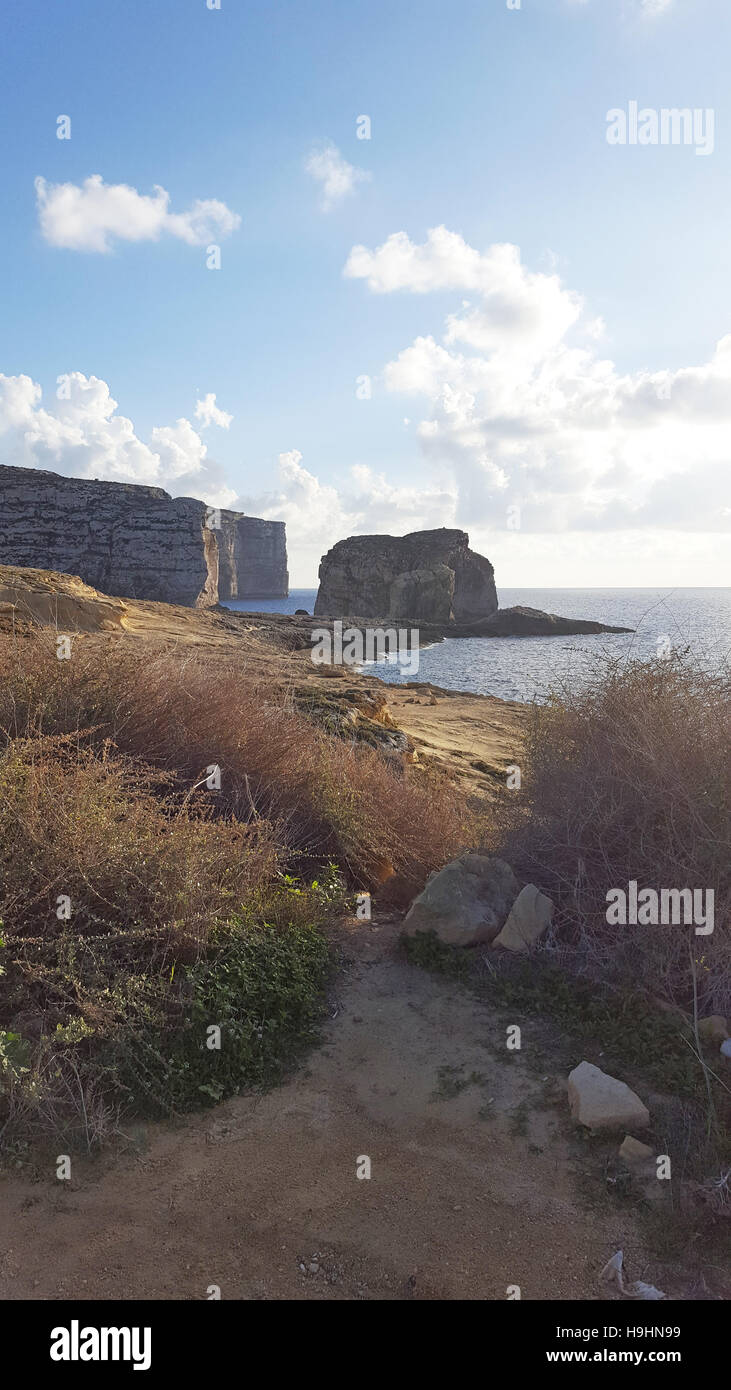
(473, 1184)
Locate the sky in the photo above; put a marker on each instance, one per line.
(379, 267)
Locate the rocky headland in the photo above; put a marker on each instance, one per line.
(472, 737)
(138, 542)
(407, 785)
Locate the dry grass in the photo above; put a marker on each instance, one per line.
(330, 799)
(187, 903)
(115, 838)
(631, 780)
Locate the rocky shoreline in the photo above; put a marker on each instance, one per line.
(504, 622)
(473, 737)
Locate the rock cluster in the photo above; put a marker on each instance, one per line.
(466, 902)
(138, 542)
(427, 575)
(475, 899)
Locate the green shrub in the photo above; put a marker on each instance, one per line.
(262, 987)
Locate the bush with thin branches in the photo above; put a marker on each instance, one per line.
(630, 779)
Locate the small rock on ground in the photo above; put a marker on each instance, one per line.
(601, 1102)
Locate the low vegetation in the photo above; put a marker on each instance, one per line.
(145, 907)
(627, 779)
(630, 779)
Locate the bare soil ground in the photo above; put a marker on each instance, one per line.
(476, 1180)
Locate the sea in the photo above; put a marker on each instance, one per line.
(694, 621)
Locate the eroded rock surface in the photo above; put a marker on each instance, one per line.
(428, 575)
(466, 902)
(529, 917)
(137, 542)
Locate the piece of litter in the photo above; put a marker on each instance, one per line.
(612, 1273)
(647, 1291)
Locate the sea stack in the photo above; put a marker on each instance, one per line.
(431, 576)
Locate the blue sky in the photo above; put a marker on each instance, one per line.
(576, 382)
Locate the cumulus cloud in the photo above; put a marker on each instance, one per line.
(336, 177)
(209, 413)
(522, 413)
(319, 514)
(91, 216)
(83, 436)
(649, 8)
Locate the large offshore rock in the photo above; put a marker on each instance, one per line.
(136, 542)
(424, 591)
(428, 575)
(466, 902)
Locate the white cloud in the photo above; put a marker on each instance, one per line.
(92, 216)
(518, 414)
(337, 178)
(84, 437)
(444, 262)
(519, 311)
(645, 7)
(179, 448)
(319, 514)
(210, 414)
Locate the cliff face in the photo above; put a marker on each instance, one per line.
(427, 575)
(253, 557)
(133, 541)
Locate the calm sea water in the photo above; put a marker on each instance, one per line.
(298, 598)
(525, 668)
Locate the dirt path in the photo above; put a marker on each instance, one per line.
(473, 1184)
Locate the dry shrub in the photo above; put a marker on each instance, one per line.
(94, 1006)
(139, 868)
(55, 1100)
(630, 779)
(184, 712)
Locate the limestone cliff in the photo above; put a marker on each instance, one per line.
(428, 575)
(136, 541)
(252, 557)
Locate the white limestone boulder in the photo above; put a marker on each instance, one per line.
(601, 1102)
(466, 902)
(634, 1153)
(529, 917)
